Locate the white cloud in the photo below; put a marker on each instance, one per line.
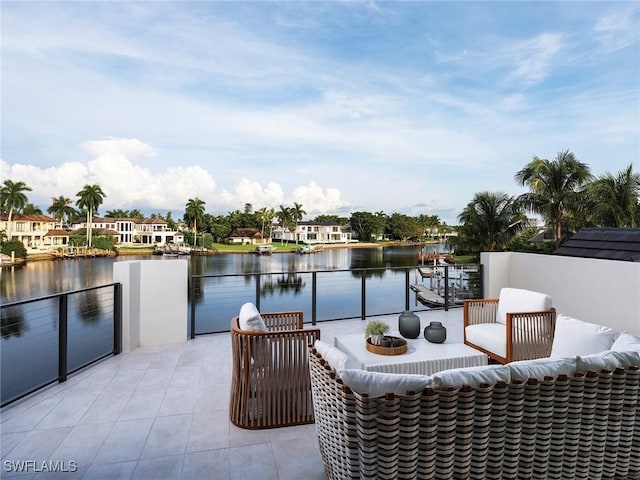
(316, 200)
(115, 166)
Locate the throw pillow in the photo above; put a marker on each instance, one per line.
(626, 343)
(575, 337)
(514, 300)
(250, 319)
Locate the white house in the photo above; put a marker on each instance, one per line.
(146, 231)
(31, 230)
(314, 232)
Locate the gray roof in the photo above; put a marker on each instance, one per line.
(605, 243)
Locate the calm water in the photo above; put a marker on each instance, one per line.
(30, 332)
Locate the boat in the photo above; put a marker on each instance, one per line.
(264, 250)
(302, 249)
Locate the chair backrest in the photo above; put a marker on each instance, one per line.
(514, 300)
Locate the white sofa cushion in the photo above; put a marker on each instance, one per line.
(490, 336)
(376, 384)
(609, 360)
(542, 367)
(250, 319)
(575, 337)
(472, 376)
(514, 300)
(337, 359)
(626, 343)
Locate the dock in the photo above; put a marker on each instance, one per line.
(427, 296)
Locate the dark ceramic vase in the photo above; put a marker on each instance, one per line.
(409, 324)
(435, 332)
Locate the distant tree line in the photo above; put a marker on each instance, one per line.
(562, 191)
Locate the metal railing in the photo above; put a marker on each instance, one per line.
(70, 330)
(257, 286)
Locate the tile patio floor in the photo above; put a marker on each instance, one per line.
(162, 413)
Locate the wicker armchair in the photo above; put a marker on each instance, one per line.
(270, 383)
(519, 325)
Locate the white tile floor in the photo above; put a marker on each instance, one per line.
(162, 413)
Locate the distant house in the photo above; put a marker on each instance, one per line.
(145, 231)
(314, 232)
(604, 243)
(31, 230)
(248, 236)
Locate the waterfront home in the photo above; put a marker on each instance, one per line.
(31, 230)
(314, 232)
(248, 236)
(144, 231)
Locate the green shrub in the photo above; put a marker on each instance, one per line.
(16, 246)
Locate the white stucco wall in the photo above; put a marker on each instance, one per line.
(599, 291)
(154, 301)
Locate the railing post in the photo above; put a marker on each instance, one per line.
(446, 288)
(192, 294)
(407, 286)
(364, 295)
(258, 277)
(62, 338)
(117, 318)
(314, 298)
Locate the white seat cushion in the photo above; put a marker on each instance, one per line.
(540, 368)
(490, 336)
(472, 376)
(514, 300)
(376, 384)
(575, 337)
(337, 359)
(609, 360)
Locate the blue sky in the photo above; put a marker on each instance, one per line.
(342, 106)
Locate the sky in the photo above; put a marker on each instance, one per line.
(406, 107)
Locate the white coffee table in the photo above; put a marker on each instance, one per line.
(421, 357)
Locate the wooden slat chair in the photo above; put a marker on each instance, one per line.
(520, 325)
(270, 382)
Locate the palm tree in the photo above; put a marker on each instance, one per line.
(194, 211)
(31, 209)
(297, 214)
(12, 198)
(265, 216)
(490, 221)
(90, 198)
(555, 187)
(61, 208)
(285, 219)
(614, 199)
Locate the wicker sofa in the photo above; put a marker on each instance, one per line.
(565, 418)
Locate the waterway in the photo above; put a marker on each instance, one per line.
(30, 332)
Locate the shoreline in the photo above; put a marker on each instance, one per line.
(144, 251)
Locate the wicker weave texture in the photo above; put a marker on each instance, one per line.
(270, 383)
(581, 427)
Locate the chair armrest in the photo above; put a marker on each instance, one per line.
(478, 311)
(530, 334)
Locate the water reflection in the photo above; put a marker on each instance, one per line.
(12, 322)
